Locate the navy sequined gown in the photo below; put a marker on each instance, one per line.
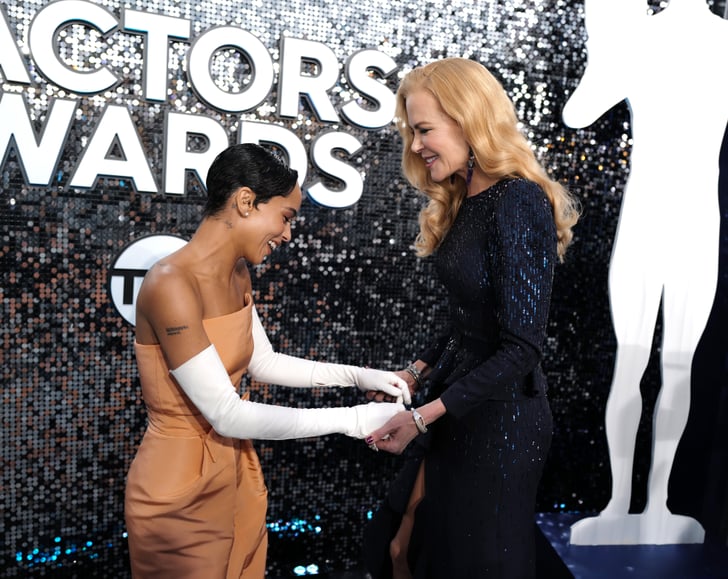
(485, 456)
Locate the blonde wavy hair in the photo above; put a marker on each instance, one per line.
(477, 102)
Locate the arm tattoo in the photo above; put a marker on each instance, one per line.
(176, 330)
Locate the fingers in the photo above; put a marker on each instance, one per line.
(369, 379)
(406, 396)
(394, 435)
(398, 390)
(386, 443)
(371, 443)
(403, 396)
(379, 396)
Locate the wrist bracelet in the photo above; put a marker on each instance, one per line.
(419, 421)
(415, 373)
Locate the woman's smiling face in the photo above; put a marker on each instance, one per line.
(268, 225)
(436, 137)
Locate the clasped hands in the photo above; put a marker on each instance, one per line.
(383, 386)
(395, 435)
(400, 429)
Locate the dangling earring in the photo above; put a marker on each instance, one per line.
(471, 167)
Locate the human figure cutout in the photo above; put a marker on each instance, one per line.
(670, 69)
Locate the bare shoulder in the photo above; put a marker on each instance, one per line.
(166, 280)
(168, 303)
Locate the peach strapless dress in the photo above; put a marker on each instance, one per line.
(195, 501)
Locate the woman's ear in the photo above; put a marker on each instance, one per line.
(244, 198)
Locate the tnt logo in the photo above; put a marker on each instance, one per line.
(131, 266)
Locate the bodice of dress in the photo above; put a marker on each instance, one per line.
(169, 410)
(496, 264)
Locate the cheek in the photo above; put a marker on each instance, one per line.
(273, 228)
(258, 234)
(460, 152)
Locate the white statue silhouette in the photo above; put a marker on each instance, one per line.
(670, 67)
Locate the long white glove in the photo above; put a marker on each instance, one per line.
(270, 367)
(206, 382)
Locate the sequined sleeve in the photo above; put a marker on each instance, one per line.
(430, 354)
(519, 265)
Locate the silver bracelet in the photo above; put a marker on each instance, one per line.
(415, 373)
(419, 421)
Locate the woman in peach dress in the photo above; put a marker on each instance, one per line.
(195, 496)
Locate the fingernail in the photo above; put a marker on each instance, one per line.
(369, 439)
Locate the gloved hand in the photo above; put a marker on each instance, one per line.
(372, 416)
(369, 379)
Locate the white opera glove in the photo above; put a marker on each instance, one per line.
(206, 382)
(270, 367)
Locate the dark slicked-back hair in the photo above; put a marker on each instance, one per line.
(247, 165)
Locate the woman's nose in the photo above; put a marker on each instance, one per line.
(286, 237)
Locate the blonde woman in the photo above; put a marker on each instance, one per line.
(496, 224)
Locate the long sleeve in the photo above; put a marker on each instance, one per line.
(432, 352)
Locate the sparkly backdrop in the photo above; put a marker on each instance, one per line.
(347, 289)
